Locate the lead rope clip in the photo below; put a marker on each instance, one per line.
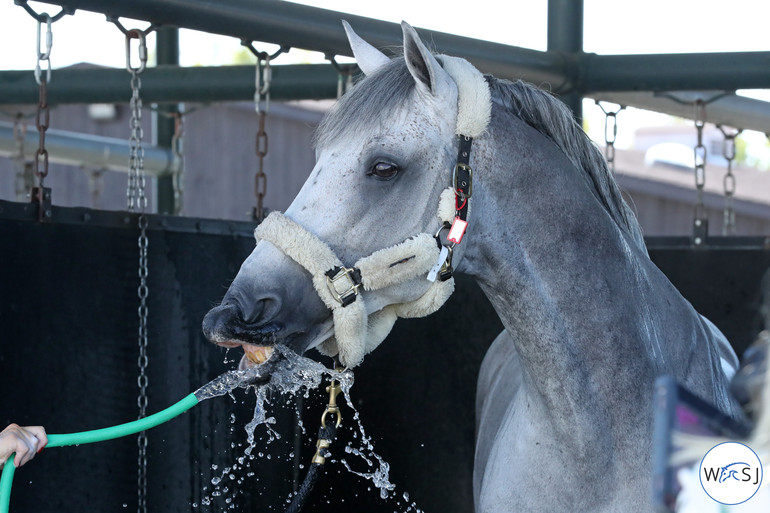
(326, 432)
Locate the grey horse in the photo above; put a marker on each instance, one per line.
(564, 409)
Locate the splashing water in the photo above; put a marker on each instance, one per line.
(290, 374)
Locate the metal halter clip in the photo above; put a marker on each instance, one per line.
(348, 295)
(463, 188)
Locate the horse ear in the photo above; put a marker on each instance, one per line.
(423, 66)
(369, 58)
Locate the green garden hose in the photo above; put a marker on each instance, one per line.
(96, 435)
(218, 386)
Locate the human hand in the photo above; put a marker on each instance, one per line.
(24, 441)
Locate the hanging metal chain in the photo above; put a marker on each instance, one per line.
(137, 198)
(42, 121)
(177, 177)
(40, 194)
(135, 192)
(263, 77)
(610, 133)
(728, 182)
(25, 178)
(700, 221)
(261, 89)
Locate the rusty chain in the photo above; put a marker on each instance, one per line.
(262, 79)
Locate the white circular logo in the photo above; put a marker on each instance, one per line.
(731, 473)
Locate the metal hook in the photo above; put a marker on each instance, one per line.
(41, 17)
(136, 34)
(44, 56)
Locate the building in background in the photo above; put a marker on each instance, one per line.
(221, 163)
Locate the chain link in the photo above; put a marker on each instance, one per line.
(261, 89)
(137, 198)
(610, 133)
(44, 56)
(728, 182)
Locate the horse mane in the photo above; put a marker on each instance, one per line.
(386, 91)
(552, 118)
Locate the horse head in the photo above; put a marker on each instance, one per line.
(352, 252)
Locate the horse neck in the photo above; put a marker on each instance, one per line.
(574, 291)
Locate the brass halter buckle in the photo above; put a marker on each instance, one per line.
(353, 276)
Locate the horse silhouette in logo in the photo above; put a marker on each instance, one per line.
(728, 473)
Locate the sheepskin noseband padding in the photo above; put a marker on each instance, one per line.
(356, 332)
(474, 101)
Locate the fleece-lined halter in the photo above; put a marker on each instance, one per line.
(355, 332)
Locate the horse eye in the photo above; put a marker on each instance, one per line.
(384, 171)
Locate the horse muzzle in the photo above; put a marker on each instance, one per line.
(225, 326)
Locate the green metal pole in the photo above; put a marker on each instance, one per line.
(565, 36)
(167, 51)
(171, 84)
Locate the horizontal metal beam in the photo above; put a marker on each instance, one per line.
(674, 72)
(311, 28)
(729, 110)
(170, 84)
(94, 151)
(116, 219)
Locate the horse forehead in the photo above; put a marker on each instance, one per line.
(415, 126)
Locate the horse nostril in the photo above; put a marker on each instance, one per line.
(261, 311)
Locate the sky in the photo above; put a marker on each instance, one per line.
(610, 27)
